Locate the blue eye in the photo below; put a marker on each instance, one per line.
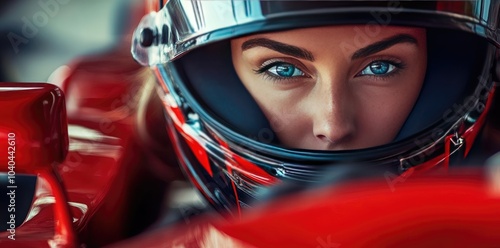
(285, 70)
(378, 68)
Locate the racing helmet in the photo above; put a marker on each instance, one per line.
(226, 145)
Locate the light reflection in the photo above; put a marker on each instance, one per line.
(45, 200)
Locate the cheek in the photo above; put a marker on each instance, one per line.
(286, 112)
(290, 131)
(383, 113)
(385, 110)
(287, 118)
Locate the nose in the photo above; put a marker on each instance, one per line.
(333, 113)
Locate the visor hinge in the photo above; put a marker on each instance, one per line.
(148, 37)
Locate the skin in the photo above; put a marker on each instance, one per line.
(334, 87)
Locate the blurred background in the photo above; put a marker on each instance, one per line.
(38, 36)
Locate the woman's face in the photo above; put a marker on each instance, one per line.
(335, 87)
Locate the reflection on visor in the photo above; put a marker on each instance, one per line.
(183, 25)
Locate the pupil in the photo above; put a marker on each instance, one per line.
(379, 67)
(285, 70)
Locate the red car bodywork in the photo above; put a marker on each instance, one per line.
(104, 170)
(94, 178)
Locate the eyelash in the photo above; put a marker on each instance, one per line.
(265, 67)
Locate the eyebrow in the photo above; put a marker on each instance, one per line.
(278, 47)
(307, 55)
(383, 44)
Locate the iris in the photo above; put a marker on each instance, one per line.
(283, 70)
(379, 67)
